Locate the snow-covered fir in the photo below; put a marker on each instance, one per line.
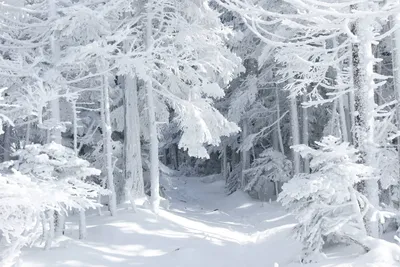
(199, 133)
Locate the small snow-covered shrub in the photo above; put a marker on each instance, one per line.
(271, 166)
(57, 164)
(325, 201)
(43, 179)
(21, 203)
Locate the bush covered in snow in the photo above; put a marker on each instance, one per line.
(325, 201)
(42, 180)
(271, 166)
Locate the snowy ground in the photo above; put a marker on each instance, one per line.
(202, 228)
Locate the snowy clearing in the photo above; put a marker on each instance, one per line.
(202, 228)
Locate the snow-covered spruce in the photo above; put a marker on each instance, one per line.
(271, 166)
(325, 201)
(43, 179)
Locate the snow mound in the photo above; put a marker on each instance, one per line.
(382, 254)
(211, 178)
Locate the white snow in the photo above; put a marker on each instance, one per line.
(203, 227)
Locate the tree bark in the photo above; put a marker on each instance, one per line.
(245, 156)
(107, 145)
(27, 134)
(224, 169)
(305, 130)
(7, 143)
(295, 134)
(154, 160)
(133, 157)
(82, 215)
(154, 143)
(363, 63)
(395, 21)
(55, 132)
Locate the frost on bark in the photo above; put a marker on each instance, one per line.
(305, 135)
(7, 143)
(55, 131)
(363, 67)
(245, 156)
(154, 160)
(107, 145)
(294, 122)
(395, 22)
(153, 134)
(133, 158)
(82, 213)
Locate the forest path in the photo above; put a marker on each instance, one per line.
(203, 227)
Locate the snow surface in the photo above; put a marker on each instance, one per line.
(203, 227)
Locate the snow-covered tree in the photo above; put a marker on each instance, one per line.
(325, 201)
(270, 166)
(41, 180)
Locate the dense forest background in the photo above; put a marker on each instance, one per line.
(288, 100)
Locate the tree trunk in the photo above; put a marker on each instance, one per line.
(174, 154)
(278, 125)
(55, 134)
(82, 225)
(55, 57)
(363, 64)
(27, 134)
(277, 135)
(295, 134)
(352, 105)
(7, 143)
(343, 120)
(55, 131)
(133, 157)
(342, 103)
(154, 160)
(245, 156)
(82, 215)
(395, 21)
(224, 167)
(154, 164)
(305, 130)
(107, 145)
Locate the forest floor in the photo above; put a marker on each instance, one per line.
(202, 228)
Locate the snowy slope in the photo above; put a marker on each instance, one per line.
(202, 228)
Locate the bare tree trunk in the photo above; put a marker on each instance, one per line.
(295, 134)
(224, 167)
(55, 132)
(174, 154)
(305, 130)
(154, 164)
(395, 21)
(82, 215)
(7, 143)
(82, 225)
(154, 143)
(342, 103)
(133, 156)
(27, 134)
(343, 121)
(277, 135)
(245, 157)
(107, 145)
(278, 125)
